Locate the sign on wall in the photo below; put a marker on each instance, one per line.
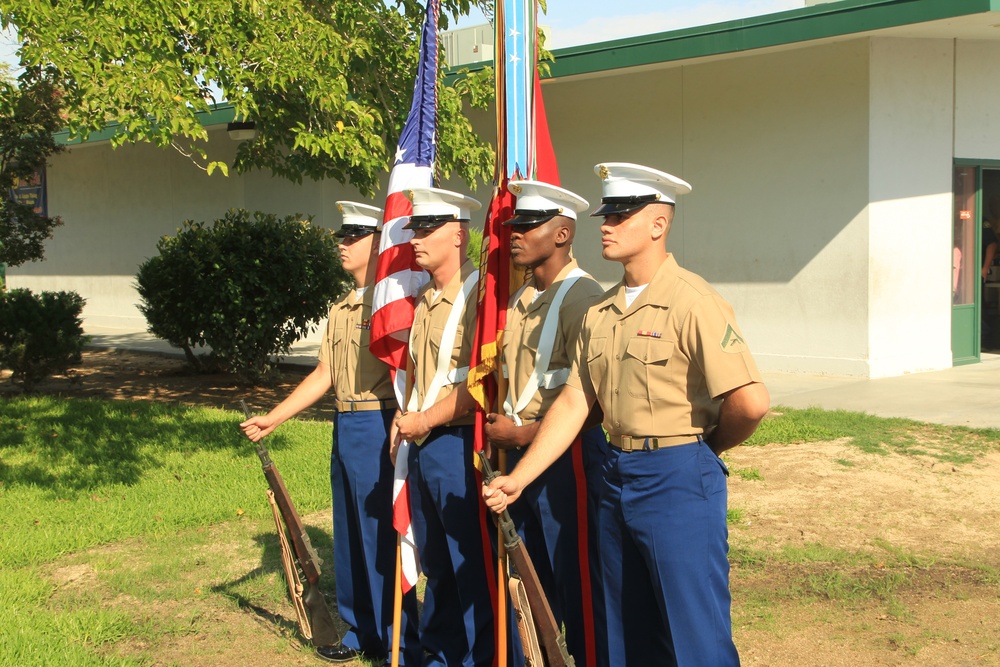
(31, 191)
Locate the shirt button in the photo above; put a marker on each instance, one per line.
(616, 390)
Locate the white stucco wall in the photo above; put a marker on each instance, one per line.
(117, 203)
(977, 100)
(910, 215)
(775, 147)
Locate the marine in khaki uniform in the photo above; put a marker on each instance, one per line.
(360, 470)
(456, 623)
(543, 325)
(663, 356)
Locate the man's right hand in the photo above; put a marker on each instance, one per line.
(501, 492)
(502, 432)
(256, 428)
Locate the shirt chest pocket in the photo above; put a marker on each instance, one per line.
(436, 339)
(645, 367)
(597, 362)
(363, 338)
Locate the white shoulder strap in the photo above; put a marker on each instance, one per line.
(444, 375)
(541, 376)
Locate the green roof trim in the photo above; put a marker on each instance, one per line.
(217, 115)
(826, 20)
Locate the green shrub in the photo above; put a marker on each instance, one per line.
(39, 335)
(247, 287)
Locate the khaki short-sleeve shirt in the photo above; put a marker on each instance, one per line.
(659, 367)
(429, 318)
(521, 336)
(356, 374)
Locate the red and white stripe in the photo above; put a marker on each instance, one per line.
(397, 281)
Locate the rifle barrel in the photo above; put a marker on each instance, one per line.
(553, 643)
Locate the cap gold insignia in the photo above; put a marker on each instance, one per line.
(409, 195)
(603, 172)
(515, 188)
(340, 207)
(561, 209)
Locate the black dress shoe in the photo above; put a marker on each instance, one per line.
(337, 653)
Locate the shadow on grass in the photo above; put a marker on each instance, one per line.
(240, 590)
(81, 444)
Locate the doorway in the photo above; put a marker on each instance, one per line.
(988, 261)
(975, 274)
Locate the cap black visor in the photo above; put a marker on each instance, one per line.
(354, 231)
(619, 205)
(531, 217)
(429, 221)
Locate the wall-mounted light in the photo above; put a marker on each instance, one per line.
(242, 131)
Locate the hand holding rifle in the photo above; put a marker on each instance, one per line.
(297, 553)
(525, 587)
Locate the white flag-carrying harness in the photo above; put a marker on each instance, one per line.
(445, 376)
(541, 376)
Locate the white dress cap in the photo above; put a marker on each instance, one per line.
(627, 187)
(538, 202)
(432, 207)
(359, 219)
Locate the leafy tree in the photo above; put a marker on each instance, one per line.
(29, 116)
(328, 84)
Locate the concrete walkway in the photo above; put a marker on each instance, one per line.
(961, 396)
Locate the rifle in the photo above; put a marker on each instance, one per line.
(315, 619)
(553, 644)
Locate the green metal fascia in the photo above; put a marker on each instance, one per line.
(974, 162)
(797, 25)
(218, 114)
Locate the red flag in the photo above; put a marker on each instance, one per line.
(397, 276)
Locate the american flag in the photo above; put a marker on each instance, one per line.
(397, 276)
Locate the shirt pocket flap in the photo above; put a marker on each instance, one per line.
(650, 350)
(595, 347)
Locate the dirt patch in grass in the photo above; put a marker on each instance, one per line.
(855, 559)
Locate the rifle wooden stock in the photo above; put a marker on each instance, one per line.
(324, 631)
(553, 643)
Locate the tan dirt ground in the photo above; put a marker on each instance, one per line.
(840, 558)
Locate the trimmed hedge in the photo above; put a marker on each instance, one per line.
(248, 287)
(40, 334)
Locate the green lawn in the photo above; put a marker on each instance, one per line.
(127, 522)
(78, 474)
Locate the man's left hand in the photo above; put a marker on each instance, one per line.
(412, 426)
